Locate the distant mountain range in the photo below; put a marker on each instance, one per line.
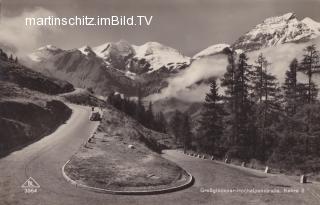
(151, 67)
(112, 66)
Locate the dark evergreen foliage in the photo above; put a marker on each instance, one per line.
(138, 112)
(211, 123)
(260, 119)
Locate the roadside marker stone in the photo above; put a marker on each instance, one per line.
(243, 164)
(303, 179)
(227, 160)
(130, 146)
(212, 158)
(267, 170)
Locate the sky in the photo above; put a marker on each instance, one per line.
(187, 25)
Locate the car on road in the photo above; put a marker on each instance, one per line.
(95, 116)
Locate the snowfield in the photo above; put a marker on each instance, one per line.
(279, 30)
(159, 55)
(212, 50)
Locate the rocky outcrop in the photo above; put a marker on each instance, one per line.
(26, 78)
(22, 123)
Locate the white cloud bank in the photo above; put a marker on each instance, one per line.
(21, 38)
(215, 66)
(199, 70)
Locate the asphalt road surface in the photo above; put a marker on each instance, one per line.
(43, 160)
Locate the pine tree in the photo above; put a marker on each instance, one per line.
(267, 108)
(310, 65)
(186, 132)
(239, 130)
(211, 122)
(292, 101)
(228, 81)
(175, 125)
(244, 112)
(150, 121)
(257, 77)
(290, 88)
(161, 123)
(3, 55)
(242, 81)
(140, 110)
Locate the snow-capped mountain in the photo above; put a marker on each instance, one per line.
(280, 39)
(44, 53)
(212, 50)
(87, 50)
(120, 66)
(82, 68)
(278, 30)
(109, 67)
(160, 56)
(109, 50)
(116, 54)
(149, 57)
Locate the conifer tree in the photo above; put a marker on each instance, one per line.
(175, 125)
(244, 111)
(290, 88)
(186, 132)
(257, 77)
(310, 65)
(140, 110)
(228, 81)
(211, 122)
(161, 122)
(267, 96)
(150, 121)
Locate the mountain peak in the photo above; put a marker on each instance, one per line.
(49, 47)
(153, 43)
(283, 18)
(86, 50)
(212, 50)
(110, 49)
(311, 23)
(156, 54)
(159, 55)
(278, 30)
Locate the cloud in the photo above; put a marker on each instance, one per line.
(281, 56)
(14, 34)
(179, 86)
(183, 85)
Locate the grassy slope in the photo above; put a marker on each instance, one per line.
(28, 109)
(83, 97)
(118, 167)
